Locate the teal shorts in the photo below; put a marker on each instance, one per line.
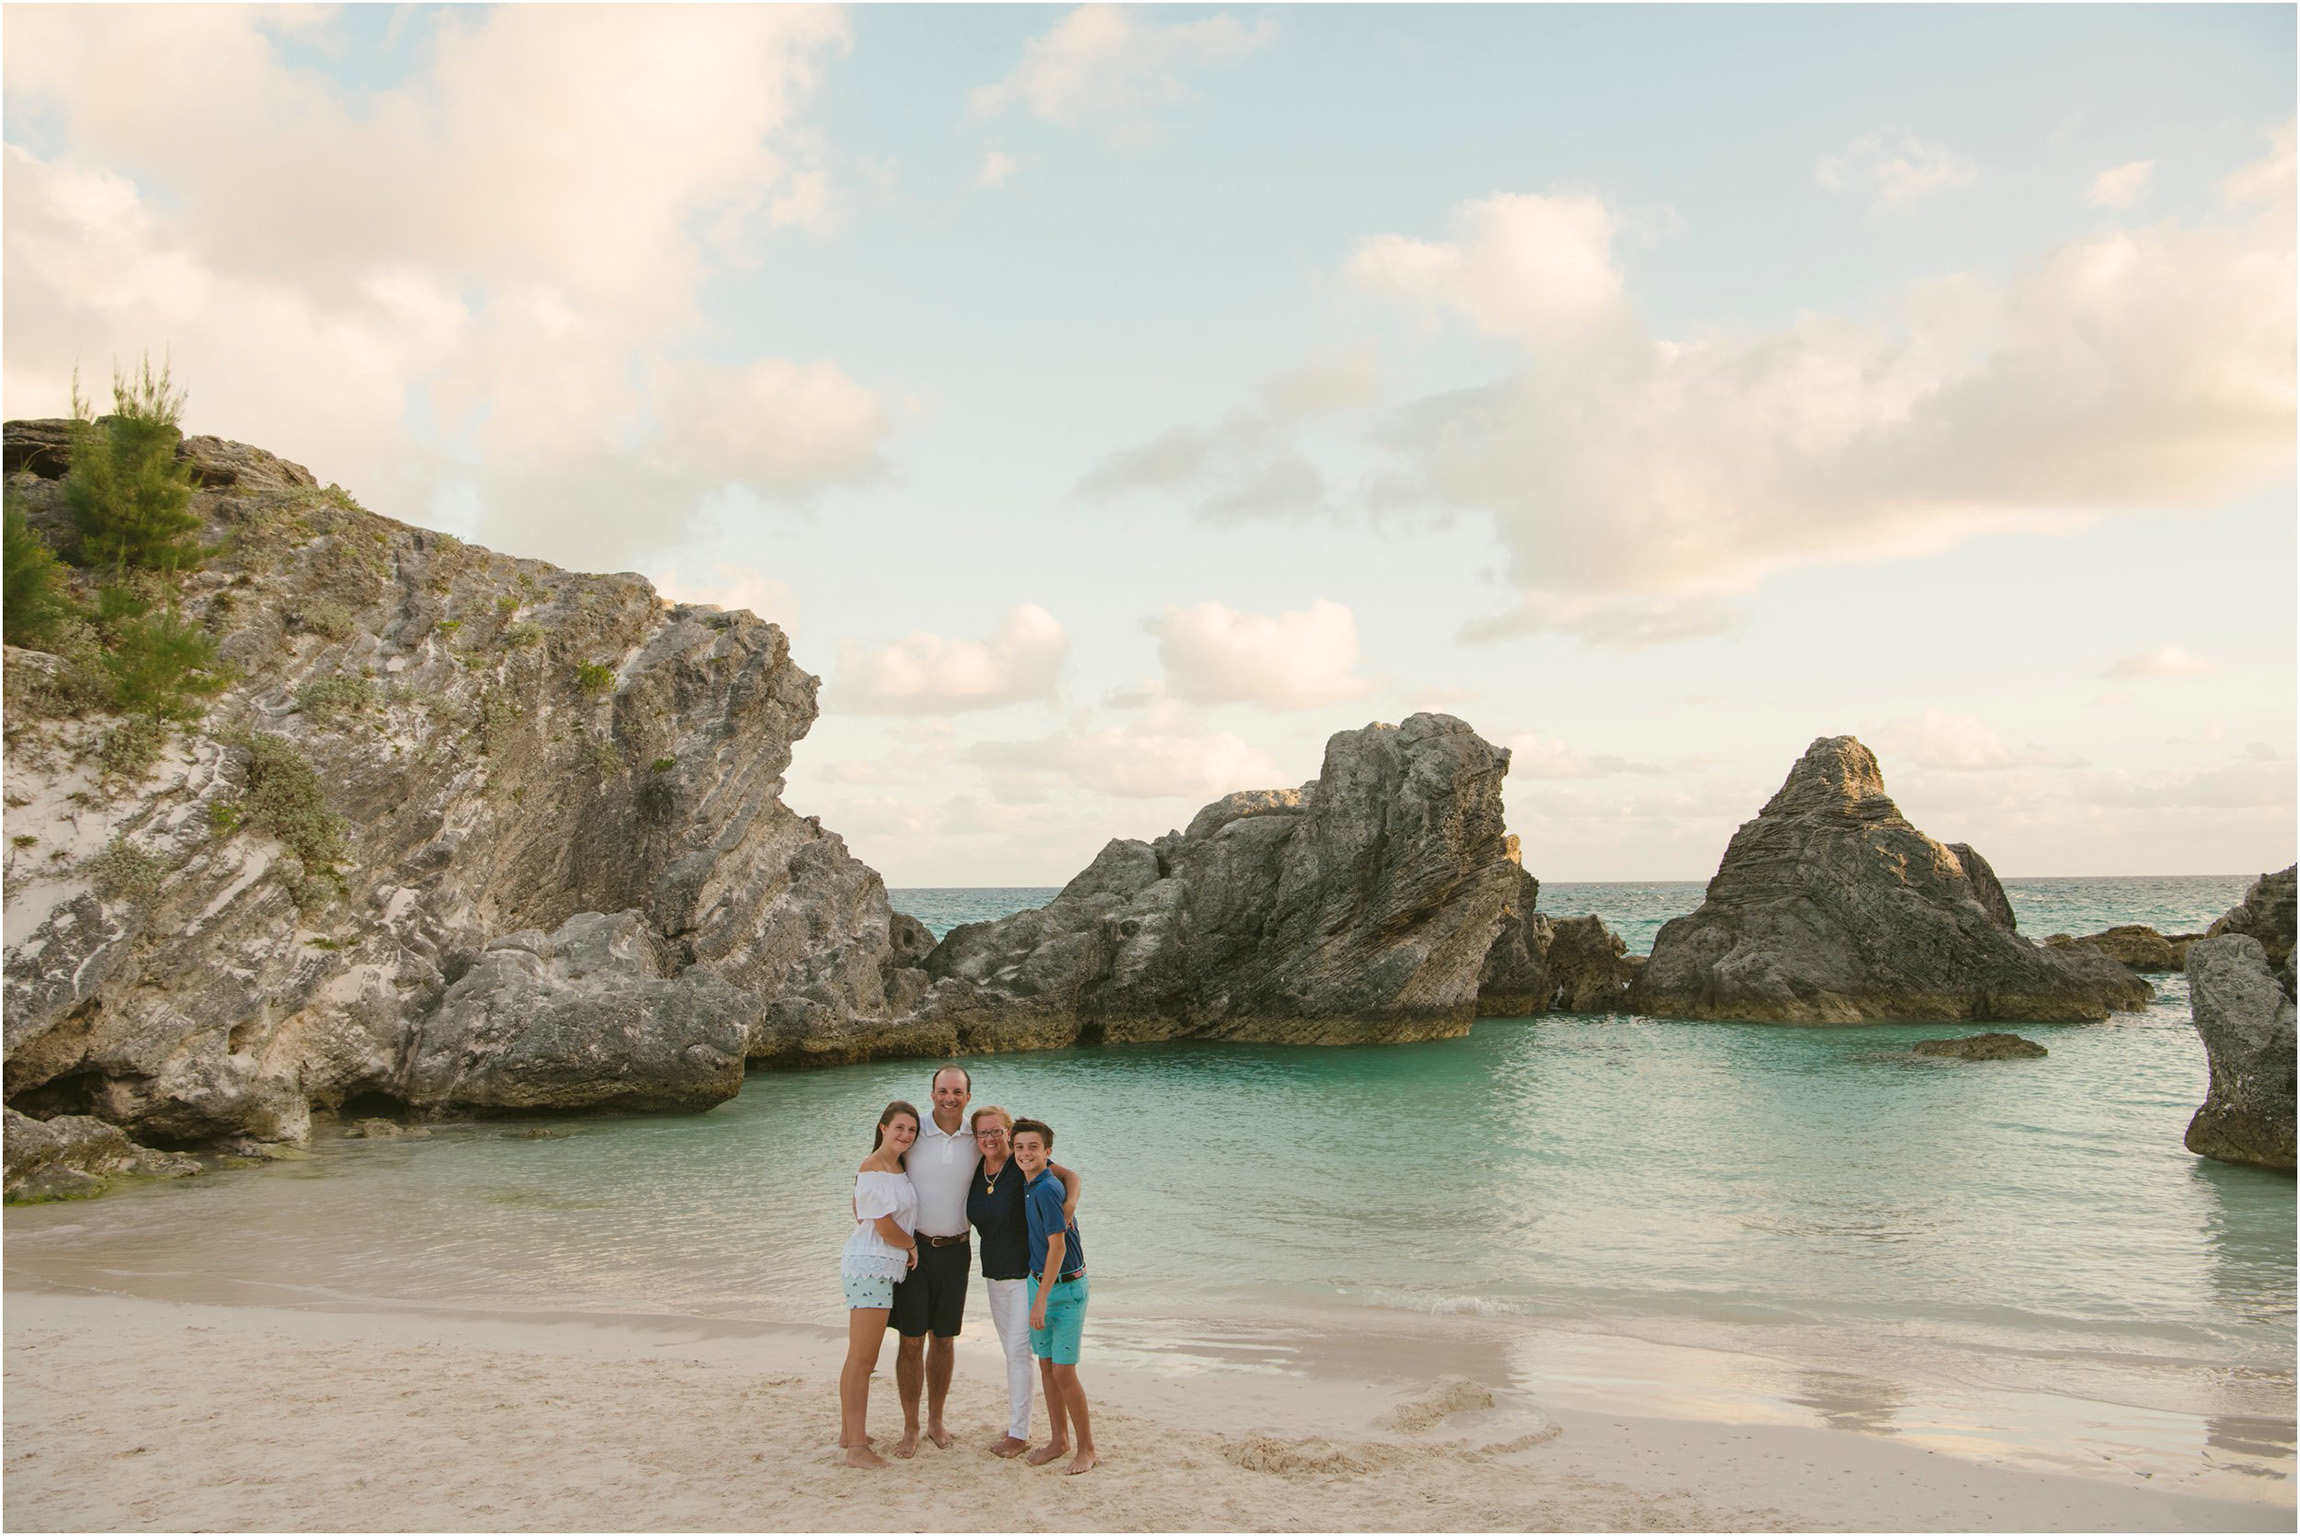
(1065, 1321)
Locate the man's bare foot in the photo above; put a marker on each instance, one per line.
(1010, 1447)
(939, 1435)
(1047, 1453)
(907, 1446)
(1082, 1462)
(864, 1456)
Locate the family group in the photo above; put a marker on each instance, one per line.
(927, 1187)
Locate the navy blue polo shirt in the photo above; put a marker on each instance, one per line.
(1042, 1209)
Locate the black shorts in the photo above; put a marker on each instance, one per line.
(933, 1296)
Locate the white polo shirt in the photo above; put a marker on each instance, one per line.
(941, 1168)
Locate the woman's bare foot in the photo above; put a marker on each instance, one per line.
(1010, 1447)
(907, 1446)
(1047, 1453)
(864, 1456)
(939, 1435)
(1082, 1462)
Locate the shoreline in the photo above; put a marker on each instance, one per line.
(356, 1416)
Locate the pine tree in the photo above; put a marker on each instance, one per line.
(127, 491)
(36, 604)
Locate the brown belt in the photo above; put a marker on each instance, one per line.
(942, 1242)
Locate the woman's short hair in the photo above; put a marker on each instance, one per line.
(1045, 1131)
(975, 1119)
(878, 1137)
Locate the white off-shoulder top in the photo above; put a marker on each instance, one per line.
(868, 1255)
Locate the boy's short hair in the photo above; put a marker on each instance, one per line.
(975, 1119)
(1045, 1131)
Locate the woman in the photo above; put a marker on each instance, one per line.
(994, 1207)
(880, 1252)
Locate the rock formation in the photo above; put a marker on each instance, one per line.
(2135, 946)
(584, 1018)
(1989, 1047)
(73, 1156)
(335, 889)
(1361, 907)
(2240, 988)
(2269, 912)
(1515, 980)
(1830, 908)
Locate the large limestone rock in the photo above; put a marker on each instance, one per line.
(583, 1018)
(2245, 1017)
(1360, 907)
(2270, 913)
(509, 746)
(1830, 908)
(2240, 989)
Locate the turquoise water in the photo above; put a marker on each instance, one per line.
(1984, 1235)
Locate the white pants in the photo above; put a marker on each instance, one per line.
(1010, 1314)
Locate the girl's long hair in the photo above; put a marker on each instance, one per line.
(877, 1137)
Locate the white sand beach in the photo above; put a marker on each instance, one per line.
(131, 1413)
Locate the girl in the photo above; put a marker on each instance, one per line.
(880, 1252)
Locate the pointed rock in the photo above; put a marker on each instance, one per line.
(1830, 908)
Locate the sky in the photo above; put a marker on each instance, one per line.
(1114, 403)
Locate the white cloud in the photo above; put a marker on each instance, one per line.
(918, 755)
(1958, 743)
(1250, 464)
(1636, 480)
(733, 586)
(1521, 265)
(1535, 757)
(494, 263)
(1105, 63)
(772, 424)
(996, 168)
(2269, 179)
(1215, 654)
(2171, 661)
(2121, 186)
(1893, 165)
(1163, 754)
(925, 674)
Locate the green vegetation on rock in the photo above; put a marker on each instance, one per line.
(37, 605)
(284, 798)
(127, 490)
(159, 663)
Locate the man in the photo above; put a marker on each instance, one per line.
(931, 1301)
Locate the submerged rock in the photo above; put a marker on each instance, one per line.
(1830, 908)
(2135, 946)
(2240, 988)
(1989, 1047)
(498, 746)
(1361, 907)
(72, 1156)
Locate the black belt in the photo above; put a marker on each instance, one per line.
(942, 1242)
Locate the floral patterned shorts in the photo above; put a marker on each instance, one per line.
(868, 1291)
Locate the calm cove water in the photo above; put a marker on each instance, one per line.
(2017, 1256)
